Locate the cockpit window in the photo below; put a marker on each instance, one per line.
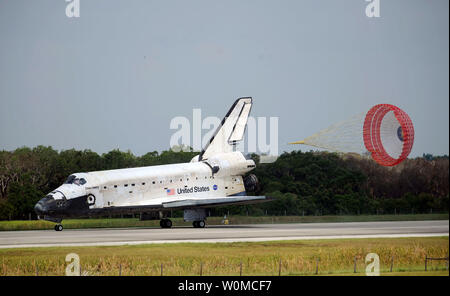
(79, 181)
(72, 179)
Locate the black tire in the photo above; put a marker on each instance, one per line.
(201, 224)
(56, 227)
(195, 224)
(59, 227)
(165, 223)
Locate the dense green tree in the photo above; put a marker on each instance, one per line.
(22, 198)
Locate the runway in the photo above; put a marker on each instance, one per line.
(222, 233)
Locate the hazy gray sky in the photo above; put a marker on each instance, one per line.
(116, 76)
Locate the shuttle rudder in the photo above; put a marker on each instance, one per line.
(231, 129)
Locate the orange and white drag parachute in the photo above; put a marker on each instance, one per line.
(388, 134)
(385, 131)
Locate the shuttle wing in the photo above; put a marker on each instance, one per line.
(191, 203)
(214, 202)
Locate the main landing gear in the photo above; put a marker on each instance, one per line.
(199, 224)
(165, 223)
(59, 227)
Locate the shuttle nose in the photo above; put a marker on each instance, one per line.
(40, 208)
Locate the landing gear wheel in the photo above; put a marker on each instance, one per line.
(165, 223)
(58, 227)
(199, 224)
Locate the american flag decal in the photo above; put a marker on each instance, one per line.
(170, 191)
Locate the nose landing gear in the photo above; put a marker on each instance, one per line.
(58, 227)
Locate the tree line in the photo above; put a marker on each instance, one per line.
(302, 183)
(321, 183)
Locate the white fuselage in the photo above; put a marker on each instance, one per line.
(146, 186)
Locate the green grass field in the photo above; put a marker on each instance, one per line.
(258, 258)
(134, 222)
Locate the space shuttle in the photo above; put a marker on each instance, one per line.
(213, 178)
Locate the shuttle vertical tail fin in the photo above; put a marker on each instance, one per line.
(231, 129)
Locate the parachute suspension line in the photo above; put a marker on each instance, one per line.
(339, 137)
